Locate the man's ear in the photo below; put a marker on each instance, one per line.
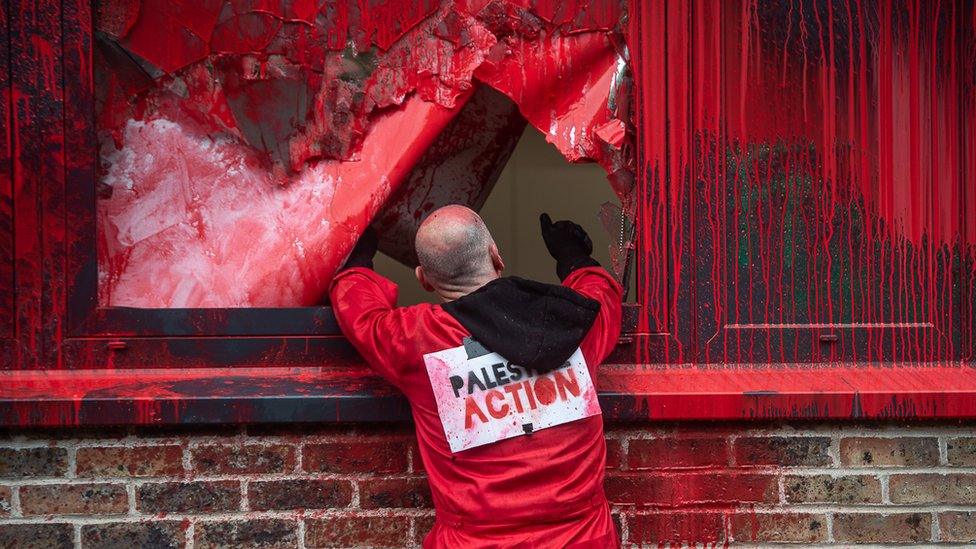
(422, 278)
(496, 259)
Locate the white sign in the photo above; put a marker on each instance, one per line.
(483, 398)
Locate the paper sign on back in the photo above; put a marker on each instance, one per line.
(483, 398)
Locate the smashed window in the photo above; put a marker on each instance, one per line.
(244, 145)
(536, 178)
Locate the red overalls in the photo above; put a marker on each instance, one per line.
(540, 490)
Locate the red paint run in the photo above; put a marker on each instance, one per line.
(883, 107)
(808, 169)
(245, 145)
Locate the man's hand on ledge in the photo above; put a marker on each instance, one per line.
(362, 254)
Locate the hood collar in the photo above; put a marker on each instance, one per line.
(532, 324)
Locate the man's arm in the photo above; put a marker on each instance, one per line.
(597, 284)
(364, 304)
(571, 247)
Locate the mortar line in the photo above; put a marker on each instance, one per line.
(830, 527)
(301, 533)
(244, 494)
(219, 516)
(833, 450)
(72, 471)
(187, 460)
(15, 509)
(130, 492)
(625, 454)
(885, 481)
(299, 456)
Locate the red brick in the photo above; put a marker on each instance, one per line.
(789, 451)
(956, 488)
(779, 527)
(37, 536)
(352, 531)
(363, 456)
(690, 488)
(299, 494)
(256, 533)
(198, 496)
(958, 526)
(155, 534)
(660, 453)
(882, 528)
(141, 461)
(33, 462)
(73, 499)
(6, 497)
(394, 492)
(638, 488)
(961, 451)
(830, 489)
(675, 528)
(889, 452)
(247, 459)
(615, 454)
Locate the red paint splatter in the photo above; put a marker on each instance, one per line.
(202, 105)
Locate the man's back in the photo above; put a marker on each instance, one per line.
(500, 380)
(525, 489)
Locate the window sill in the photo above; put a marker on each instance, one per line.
(629, 393)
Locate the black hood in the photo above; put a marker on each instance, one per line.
(530, 323)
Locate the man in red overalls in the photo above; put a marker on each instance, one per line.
(506, 416)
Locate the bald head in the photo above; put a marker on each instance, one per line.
(457, 253)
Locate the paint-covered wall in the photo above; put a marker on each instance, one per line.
(776, 225)
(805, 185)
(809, 179)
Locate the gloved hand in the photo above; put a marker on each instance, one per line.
(362, 254)
(568, 244)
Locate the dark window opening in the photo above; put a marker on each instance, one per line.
(537, 179)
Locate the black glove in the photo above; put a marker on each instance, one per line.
(568, 244)
(362, 254)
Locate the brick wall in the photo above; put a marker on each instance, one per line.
(347, 486)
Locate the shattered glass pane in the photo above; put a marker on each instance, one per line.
(621, 229)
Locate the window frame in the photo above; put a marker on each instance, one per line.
(127, 327)
(7, 323)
